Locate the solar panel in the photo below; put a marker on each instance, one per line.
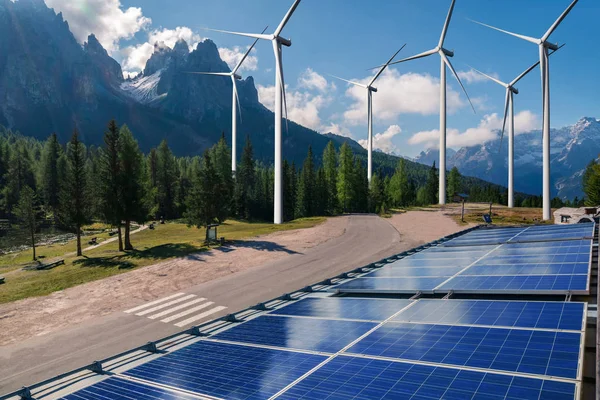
(528, 269)
(415, 272)
(297, 333)
(118, 389)
(344, 307)
(522, 284)
(523, 314)
(516, 350)
(392, 285)
(345, 378)
(436, 262)
(226, 370)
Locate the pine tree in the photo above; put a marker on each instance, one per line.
(398, 189)
(454, 182)
(20, 174)
(134, 203)
(330, 169)
(305, 203)
(166, 181)
(152, 166)
(360, 184)
(50, 181)
(110, 179)
(221, 154)
(345, 189)
(321, 193)
(245, 181)
(591, 184)
(26, 212)
(432, 185)
(289, 191)
(376, 195)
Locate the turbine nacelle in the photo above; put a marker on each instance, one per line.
(513, 89)
(372, 88)
(238, 77)
(551, 46)
(284, 41)
(449, 53)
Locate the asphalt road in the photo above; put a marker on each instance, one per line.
(367, 238)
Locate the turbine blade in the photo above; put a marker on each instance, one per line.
(420, 55)
(237, 97)
(239, 64)
(385, 65)
(286, 18)
(457, 78)
(209, 73)
(558, 21)
(346, 80)
(528, 70)
(488, 76)
(252, 35)
(505, 115)
(446, 23)
(528, 38)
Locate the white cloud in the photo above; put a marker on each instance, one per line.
(487, 129)
(383, 141)
(303, 103)
(472, 76)
(338, 129)
(105, 18)
(233, 56)
(400, 93)
(135, 57)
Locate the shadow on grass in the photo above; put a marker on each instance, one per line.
(103, 262)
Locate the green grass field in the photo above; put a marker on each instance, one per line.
(151, 246)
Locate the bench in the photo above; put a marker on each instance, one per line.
(40, 266)
(93, 240)
(1, 280)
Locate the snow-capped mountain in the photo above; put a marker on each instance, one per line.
(571, 147)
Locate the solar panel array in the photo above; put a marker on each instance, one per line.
(354, 348)
(527, 260)
(329, 347)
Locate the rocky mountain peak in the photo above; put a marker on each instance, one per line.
(181, 48)
(107, 68)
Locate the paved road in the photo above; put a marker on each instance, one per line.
(367, 238)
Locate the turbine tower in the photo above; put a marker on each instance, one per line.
(444, 61)
(509, 111)
(277, 40)
(235, 102)
(370, 89)
(543, 46)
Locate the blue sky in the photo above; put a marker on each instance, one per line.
(345, 37)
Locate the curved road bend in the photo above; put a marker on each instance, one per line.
(367, 238)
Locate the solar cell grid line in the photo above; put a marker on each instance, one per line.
(505, 313)
(322, 335)
(227, 370)
(116, 388)
(554, 354)
(343, 308)
(346, 377)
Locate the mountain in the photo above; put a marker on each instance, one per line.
(51, 83)
(571, 148)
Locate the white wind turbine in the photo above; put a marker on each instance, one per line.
(444, 61)
(235, 101)
(370, 89)
(509, 111)
(277, 42)
(543, 46)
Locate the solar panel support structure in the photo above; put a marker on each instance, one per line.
(25, 393)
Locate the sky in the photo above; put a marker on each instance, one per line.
(347, 37)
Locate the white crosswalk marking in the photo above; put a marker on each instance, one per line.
(173, 308)
(199, 316)
(154, 302)
(160, 307)
(187, 312)
(179, 307)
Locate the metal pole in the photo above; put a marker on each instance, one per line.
(511, 149)
(442, 166)
(462, 213)
(233, 130)
(545, 132)
(370, 137)
(278, 198)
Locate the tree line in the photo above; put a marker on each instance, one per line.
(72, 185)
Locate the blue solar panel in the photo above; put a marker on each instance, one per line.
(298, 333)
(345, 378)
(121, 389)
(390, 271)
(344, 307)
(516, 350)
(227, 371)
(517, 283)
(554, 247)
(409, 284)
(538, 258)
(528, 269)
(522, 314)
(435, 262)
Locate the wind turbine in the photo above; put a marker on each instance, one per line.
(370, 89)
(277, 40)
(543, 46)
(444, 61)
(235, 101)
